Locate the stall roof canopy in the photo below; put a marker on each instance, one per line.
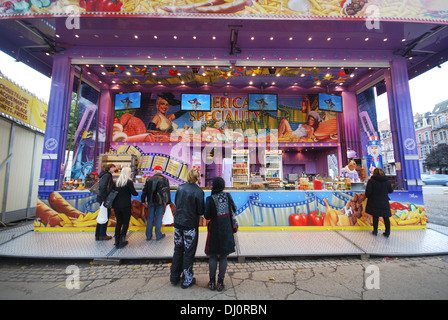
(121, 77)
(34, 41)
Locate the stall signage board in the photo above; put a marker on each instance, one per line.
(368, 10)
(22, 107)
(228, 121)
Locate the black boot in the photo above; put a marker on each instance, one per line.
(220, 285)
(117, 242)
(212, 284)
(123, 241)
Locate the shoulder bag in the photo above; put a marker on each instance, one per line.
(95, 188)
(110, 198)
(233, 221)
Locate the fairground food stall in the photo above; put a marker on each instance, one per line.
(277, 97)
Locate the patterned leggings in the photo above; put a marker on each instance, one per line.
(185, 244)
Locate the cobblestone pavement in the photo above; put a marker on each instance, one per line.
(21, 270)
(255, 279)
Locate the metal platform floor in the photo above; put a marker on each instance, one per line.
(23, 242)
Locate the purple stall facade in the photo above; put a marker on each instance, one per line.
(397, 82)
(237, 57)
(56, 133)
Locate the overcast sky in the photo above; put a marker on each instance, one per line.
(30, 79)
(427, 90)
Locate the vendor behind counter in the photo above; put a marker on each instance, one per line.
(349, 171)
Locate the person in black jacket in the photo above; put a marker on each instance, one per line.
(220, 241)
(377, 191)
(122, 205)
(155, 196)
(189, 203)
(106, 184)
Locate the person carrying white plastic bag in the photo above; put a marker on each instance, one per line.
(102, 215)
(105, 186)
(168, 217)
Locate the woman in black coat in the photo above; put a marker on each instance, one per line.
(106, 183)
(122, 205)
(220, 241)
(377, 193)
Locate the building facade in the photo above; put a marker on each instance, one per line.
(439, 123)
(423, 133)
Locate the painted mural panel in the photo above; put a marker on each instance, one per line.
(85, 135)
(370, 137)
(318, 209)
(423, 10)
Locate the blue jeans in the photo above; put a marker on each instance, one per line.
(157, 212)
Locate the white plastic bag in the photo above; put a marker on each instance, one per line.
(168, 216)
(102, 215)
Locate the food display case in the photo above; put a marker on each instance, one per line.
(273, 164)
(120, 161)
(240, 168)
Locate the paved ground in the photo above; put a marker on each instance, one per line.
(258, 279)
(255, 280)
(436, 204)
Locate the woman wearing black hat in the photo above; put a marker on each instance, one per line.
(161, 121)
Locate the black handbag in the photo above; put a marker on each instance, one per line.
(110, 198)
(233, 221)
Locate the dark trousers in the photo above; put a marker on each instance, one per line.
(185, 244)
(213, 265)
(123, 216)
(376, 219)
(101, 229)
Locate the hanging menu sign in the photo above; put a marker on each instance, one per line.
(21, 107)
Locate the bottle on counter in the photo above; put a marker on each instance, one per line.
(348, 184)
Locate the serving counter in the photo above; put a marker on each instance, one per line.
(256, 210)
